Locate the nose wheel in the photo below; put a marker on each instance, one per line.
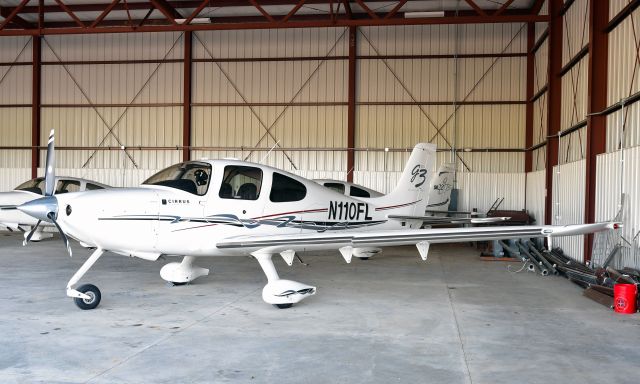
(86, 296)
(93, 294)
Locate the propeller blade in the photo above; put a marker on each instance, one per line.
(50, 174)
(62, 234)
(30, 235)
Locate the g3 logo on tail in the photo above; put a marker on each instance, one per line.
(418, 175)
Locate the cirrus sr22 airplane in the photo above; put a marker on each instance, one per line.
(235, 208)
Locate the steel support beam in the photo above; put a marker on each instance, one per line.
(36, 46)
(351, 108)
(290, 21)
(531, 37)
(186, 98)
(596, 102)
(554, 99)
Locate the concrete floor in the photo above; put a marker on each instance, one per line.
(453, 319)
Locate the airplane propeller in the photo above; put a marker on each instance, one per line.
(46, 208)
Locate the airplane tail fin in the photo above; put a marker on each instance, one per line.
(440, 188)
(410, 194)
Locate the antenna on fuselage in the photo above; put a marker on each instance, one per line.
(268, 153)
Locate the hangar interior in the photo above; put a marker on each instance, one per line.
(520, 120)
(535, 101)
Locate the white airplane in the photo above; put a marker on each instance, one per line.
(14, 220)
(235, 208)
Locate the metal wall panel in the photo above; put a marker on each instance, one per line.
(90, 104)
(480, 190)
(540, 122)
(623, 127)
(613, 176)
(15, 80)
(112, 46)
(535, 195)
(544, 10)
(266, 43)
(297, 127)
(541, 67)
(573, 147)
(623, 75)
(112, 84)
(615, 6)
(440, 39)
(15, 130)
(539, 158)
(505, 162)
(271, 82)
(574, 94)
(404, 81)
(12, 177)
(302, 81)
(425, 80)
(492, 79)
(575, 29)
(568, 205)
(480, 126)
(139, 126)
(540, 28)
(15, 122)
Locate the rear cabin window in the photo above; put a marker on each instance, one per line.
(338, 187)
(92, 187)
(240, 182)
(359, 192)
(285, 189)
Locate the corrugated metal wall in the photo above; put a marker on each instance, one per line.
(572, 146)
(613, 177)
(242, 98)
(217, 83)
(15, 112)
(113, 104)
(480, 190)
(568, 204)
(387, 82)
(624, 81)
(535, 195)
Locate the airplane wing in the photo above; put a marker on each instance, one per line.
(422, 238)
(435, 220)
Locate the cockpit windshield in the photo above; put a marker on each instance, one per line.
(192, 177)
(33, 185)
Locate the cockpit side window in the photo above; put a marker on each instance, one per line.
(192, 177)
(34, 185)
(240, 182)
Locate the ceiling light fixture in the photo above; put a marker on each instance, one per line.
(418, 15)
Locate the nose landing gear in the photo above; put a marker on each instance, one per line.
(86, 296)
